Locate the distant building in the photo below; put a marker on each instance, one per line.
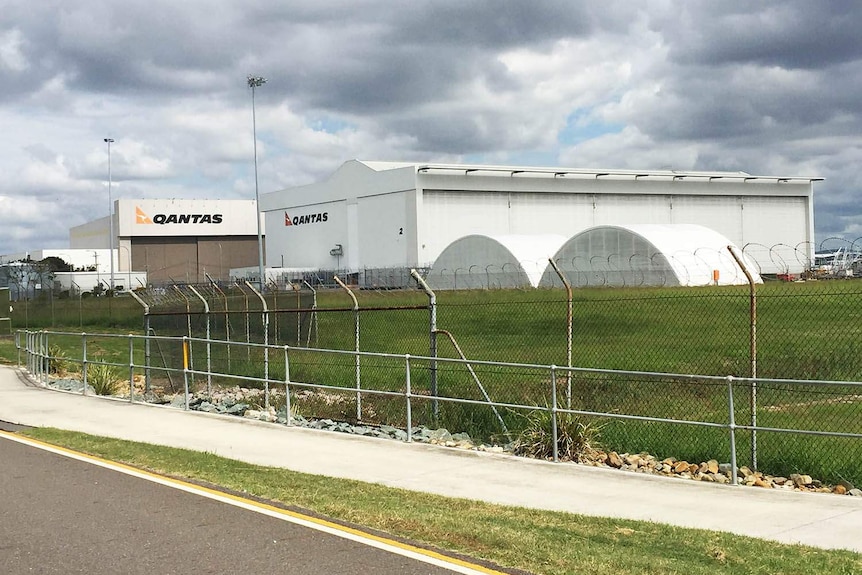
(385, 214)
(176, 240)
(25, 275)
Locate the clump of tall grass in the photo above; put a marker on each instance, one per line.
(103, 378)
(57, 361)
(576, 437)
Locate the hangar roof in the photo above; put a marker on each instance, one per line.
(582, 172)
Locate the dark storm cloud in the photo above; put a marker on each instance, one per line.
(789, 34)
(744, 102)
(380, 59)
(130, 48)
(489, 24)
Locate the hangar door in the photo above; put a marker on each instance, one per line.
(167, 259)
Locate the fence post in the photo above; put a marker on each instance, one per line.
(569, 322)
(287, 385)
(186, 372)
(40, 351)
(274, 289)
(265, 318)
(312, 323)
(84, 362)
(554, 430)
(752, 352)
(432, 306)
(43, 357)
(356, 345)
(226, 316)
(732, 426)
(247, 322)
(131, 369)
(146, 339)
(407, 395)
(209, 349)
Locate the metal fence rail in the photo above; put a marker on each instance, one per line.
(802, 426)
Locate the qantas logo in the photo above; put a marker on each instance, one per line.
(306, 219)
(161, 219)
(141, 217)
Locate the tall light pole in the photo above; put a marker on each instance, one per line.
(257, 82)
(110, 141)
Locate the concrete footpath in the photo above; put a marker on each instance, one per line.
(820, 520)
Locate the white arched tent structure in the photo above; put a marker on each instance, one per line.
(508, 261)
(648, 255)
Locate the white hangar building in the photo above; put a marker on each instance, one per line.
(176, 239)
(384, 214)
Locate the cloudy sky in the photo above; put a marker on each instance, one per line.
(767, 87)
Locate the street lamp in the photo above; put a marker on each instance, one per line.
(257, 82)
(110, 141)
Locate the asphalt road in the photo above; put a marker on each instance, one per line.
(60, 515)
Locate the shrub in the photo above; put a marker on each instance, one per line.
(103, 378)
(57, 360)
(576, 438)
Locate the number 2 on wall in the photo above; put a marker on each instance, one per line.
(400, 231)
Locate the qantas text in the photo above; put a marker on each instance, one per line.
(306, 219)
(187, 219)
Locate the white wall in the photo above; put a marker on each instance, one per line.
(394, 215)
(91, 235)
(178, 217)
(367, 214)
(383, 230)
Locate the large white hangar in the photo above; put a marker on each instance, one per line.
(384, 214)
(176, 239)
(634, 255)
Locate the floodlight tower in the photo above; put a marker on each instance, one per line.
(110, 141)
(257, 82)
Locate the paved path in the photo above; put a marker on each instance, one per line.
(59, 515)
(821, 520)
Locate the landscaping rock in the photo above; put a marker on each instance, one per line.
(800, 480)
(614, 460)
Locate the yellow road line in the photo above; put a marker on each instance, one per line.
(377, 541)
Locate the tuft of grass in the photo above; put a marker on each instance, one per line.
(103, 378)
(576, 437)
(57, 360)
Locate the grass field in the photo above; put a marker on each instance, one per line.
(804, 331)
(539, 542)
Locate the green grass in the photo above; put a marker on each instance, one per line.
(540, 542)
(805, 330)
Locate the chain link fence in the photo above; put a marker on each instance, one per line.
(797, 334)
